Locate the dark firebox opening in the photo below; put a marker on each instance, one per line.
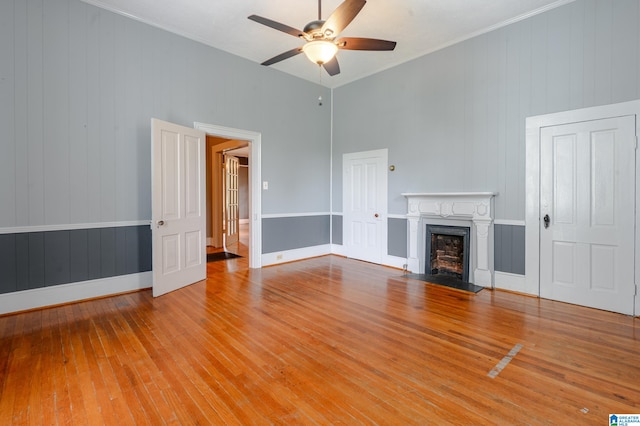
(448, 251)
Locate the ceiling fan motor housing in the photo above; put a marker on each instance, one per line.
(314, 28)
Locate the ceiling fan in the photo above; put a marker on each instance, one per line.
(321, 37)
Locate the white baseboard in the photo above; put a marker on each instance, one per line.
(73, 292)
(394, 261)
(511, 282)
(296, 254)
(338, 249)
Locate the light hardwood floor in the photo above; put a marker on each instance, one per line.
(322, 341)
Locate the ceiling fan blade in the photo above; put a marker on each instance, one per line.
(342, 16)
(357, 43)
(281, 57)
(332, 66)
(277, 26)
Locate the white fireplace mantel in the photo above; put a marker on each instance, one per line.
(473, 208)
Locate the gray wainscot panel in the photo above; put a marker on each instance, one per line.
(336, 230)
(509, 247)
(397, 237)
(289, 233)
(36, 259)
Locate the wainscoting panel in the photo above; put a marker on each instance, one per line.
(294, 232)
(31, 260)
(509, 248)
(397, 237)
(336, 229)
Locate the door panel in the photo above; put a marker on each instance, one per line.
(178, 207)
(587, 189)
(232, 200)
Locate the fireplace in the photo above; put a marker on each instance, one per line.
(447, 251)
(471, 210)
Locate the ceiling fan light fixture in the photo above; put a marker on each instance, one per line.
(320, 51)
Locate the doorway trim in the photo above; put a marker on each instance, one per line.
(534, 126)
(255, 176)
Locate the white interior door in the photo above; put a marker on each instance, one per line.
(365, 205)
(232, 206)
(587, 213)
(178, 206)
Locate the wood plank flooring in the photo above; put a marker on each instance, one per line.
(322, 341)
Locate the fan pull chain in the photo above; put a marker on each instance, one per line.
(320, 77)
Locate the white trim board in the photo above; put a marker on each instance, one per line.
(72, 227)
(73, 292)
(509, 222)
(279, 215)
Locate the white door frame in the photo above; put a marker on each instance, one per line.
(255, 176)
(532, 219)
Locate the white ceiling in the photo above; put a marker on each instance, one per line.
(418, 26)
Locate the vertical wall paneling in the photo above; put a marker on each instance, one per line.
(558, 60)
(94, 198)
(20, 123)
(8, 272)
(36, 260)
(35, 112)
(624, 49)
(43, 259)
(121, 251)
(94, 261)
(22, 261)
(57, 258)
(55, 110)
(79, 255)
(107, 252)
(603, 52)
(7, 118)
(107, 127)
(582, 54)
(79, 166)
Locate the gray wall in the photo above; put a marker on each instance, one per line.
(454, 120)
(78, 87)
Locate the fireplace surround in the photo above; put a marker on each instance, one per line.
(467, 209)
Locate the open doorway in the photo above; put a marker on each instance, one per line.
(251, 228)
(228, 193)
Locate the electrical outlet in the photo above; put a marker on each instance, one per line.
(265, 185)
(279, 257)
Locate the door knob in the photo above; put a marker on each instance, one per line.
(546, 219)
(160, 222)
(375, 215)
